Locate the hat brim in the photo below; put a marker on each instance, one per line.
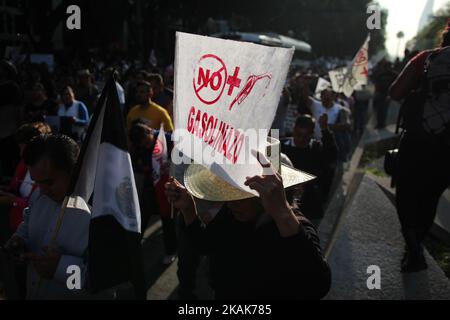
(205, 185)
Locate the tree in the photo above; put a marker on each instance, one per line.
(332, 27)
(430, 36)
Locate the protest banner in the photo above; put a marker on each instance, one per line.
(224, 88)
(345, 80)
(342, 81)
(322, 84)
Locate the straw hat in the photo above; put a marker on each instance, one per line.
(205, 185)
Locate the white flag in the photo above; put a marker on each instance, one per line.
(104, 173)
(341, 82)
(360, 65)
(345, 80)
(322, 84)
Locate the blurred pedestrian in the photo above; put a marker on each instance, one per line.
(85, 90)
(317, 157)
(383, 76)
(161, 95)
(40, 105)
(73, 112)
(423, 170)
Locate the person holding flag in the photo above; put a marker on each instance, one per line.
(104, 173)
(87, 217)
(51, 160)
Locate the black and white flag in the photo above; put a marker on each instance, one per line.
(104, 175)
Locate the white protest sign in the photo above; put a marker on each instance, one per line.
(341, 81)
(322, 84)
(224, 88)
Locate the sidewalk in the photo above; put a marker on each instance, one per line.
(369, 234)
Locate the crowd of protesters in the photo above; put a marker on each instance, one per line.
(35, 101)
(318, 131)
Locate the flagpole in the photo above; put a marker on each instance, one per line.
(59, 221)
(171, 180)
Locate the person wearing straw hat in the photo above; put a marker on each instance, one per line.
(259, 247)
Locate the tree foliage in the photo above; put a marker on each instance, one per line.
(430, 36)
(332, 27)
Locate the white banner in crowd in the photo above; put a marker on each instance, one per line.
(322, 84)
(345, 80)
(223, 88)
(341, 81)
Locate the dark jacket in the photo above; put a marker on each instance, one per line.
(319, 159)
(319, 155)
(253, 261)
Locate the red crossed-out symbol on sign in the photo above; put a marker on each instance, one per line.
(211, 78)
(233, 81)
(210, 75)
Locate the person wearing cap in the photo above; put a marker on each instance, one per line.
(318, 157)
(258, 246)
(423, 171)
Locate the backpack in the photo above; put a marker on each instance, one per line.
(426, 111)
(436, 111)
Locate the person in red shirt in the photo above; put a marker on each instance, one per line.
(423, 169)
